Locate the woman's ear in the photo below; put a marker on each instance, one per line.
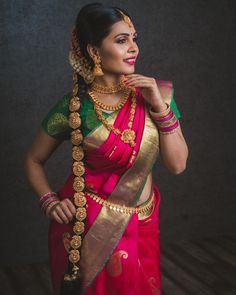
(92, 51)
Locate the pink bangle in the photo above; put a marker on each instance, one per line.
(167, 123)
(46, 196)
(48, 200)
(165, 118)
(169, 129)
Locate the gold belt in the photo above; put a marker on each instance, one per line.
(144, 209)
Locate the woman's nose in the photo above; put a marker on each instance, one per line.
(133, 47)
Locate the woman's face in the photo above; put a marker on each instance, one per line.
(119, 50)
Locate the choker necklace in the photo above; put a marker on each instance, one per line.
(106, 107)
(128, 135)
(107, 89)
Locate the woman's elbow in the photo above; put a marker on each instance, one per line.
(29, 160)
(178, 169)
(181, 164)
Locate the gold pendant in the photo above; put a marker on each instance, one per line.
(78, 168)
(77, 153)
(74, 256)
(128, 136)
(79, 227)
(80, 214)
(76, 242)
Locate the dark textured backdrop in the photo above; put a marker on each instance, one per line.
(188, 42)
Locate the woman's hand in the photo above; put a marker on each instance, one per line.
(63, 212)
(149, 90)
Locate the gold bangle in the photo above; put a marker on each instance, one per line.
(162, 113)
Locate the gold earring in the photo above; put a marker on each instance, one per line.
(97, 71)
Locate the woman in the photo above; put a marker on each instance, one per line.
(104, 220)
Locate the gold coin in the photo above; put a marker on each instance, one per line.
(76, 242)
(78, 168)
(74, 104)
(76, 137)
(77, 153)
(74, 120)
(78, 184)
(81, 214)
(79, 199)
(78, 228)
(74, 256)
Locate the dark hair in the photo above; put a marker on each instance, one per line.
(93, 24)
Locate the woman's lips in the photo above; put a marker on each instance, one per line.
(130, 61)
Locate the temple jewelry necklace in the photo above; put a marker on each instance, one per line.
(106, 107)
(128, 135)
(107, 89)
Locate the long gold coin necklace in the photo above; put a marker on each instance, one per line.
(128, 135)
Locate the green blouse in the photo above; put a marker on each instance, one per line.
(55, 123)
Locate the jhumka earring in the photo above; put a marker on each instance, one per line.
(97, 71)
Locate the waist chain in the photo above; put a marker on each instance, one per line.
(144, 208)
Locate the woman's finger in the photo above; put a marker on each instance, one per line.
(145, 84)
(132, 80)
(55, 216)
(61, 214)
(70, 205)
(66, 209)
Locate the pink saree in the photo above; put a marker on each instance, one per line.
(120, 254)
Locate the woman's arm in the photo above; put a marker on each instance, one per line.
(35, 158)
(173, 148)
(174, 151)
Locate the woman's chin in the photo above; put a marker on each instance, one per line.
(131, 70)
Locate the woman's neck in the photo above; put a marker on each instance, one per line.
(108, 80)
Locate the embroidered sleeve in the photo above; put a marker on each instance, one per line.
(55, 123)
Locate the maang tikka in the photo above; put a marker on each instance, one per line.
(126, 19)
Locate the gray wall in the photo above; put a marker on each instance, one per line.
(188, 42)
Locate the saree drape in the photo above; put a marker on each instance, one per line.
(120, 253)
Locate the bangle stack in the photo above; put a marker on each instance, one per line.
(166, 121)
(48, 201)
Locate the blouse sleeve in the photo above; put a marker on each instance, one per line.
(56, 123)
(174, 106)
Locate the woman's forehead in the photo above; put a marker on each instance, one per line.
(120, 28)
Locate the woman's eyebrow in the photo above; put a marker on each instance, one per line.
(125, 34)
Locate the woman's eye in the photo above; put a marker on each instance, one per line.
(121, 41)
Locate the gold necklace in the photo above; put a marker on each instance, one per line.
(115, 107)
(128, 135)
(107, 89)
